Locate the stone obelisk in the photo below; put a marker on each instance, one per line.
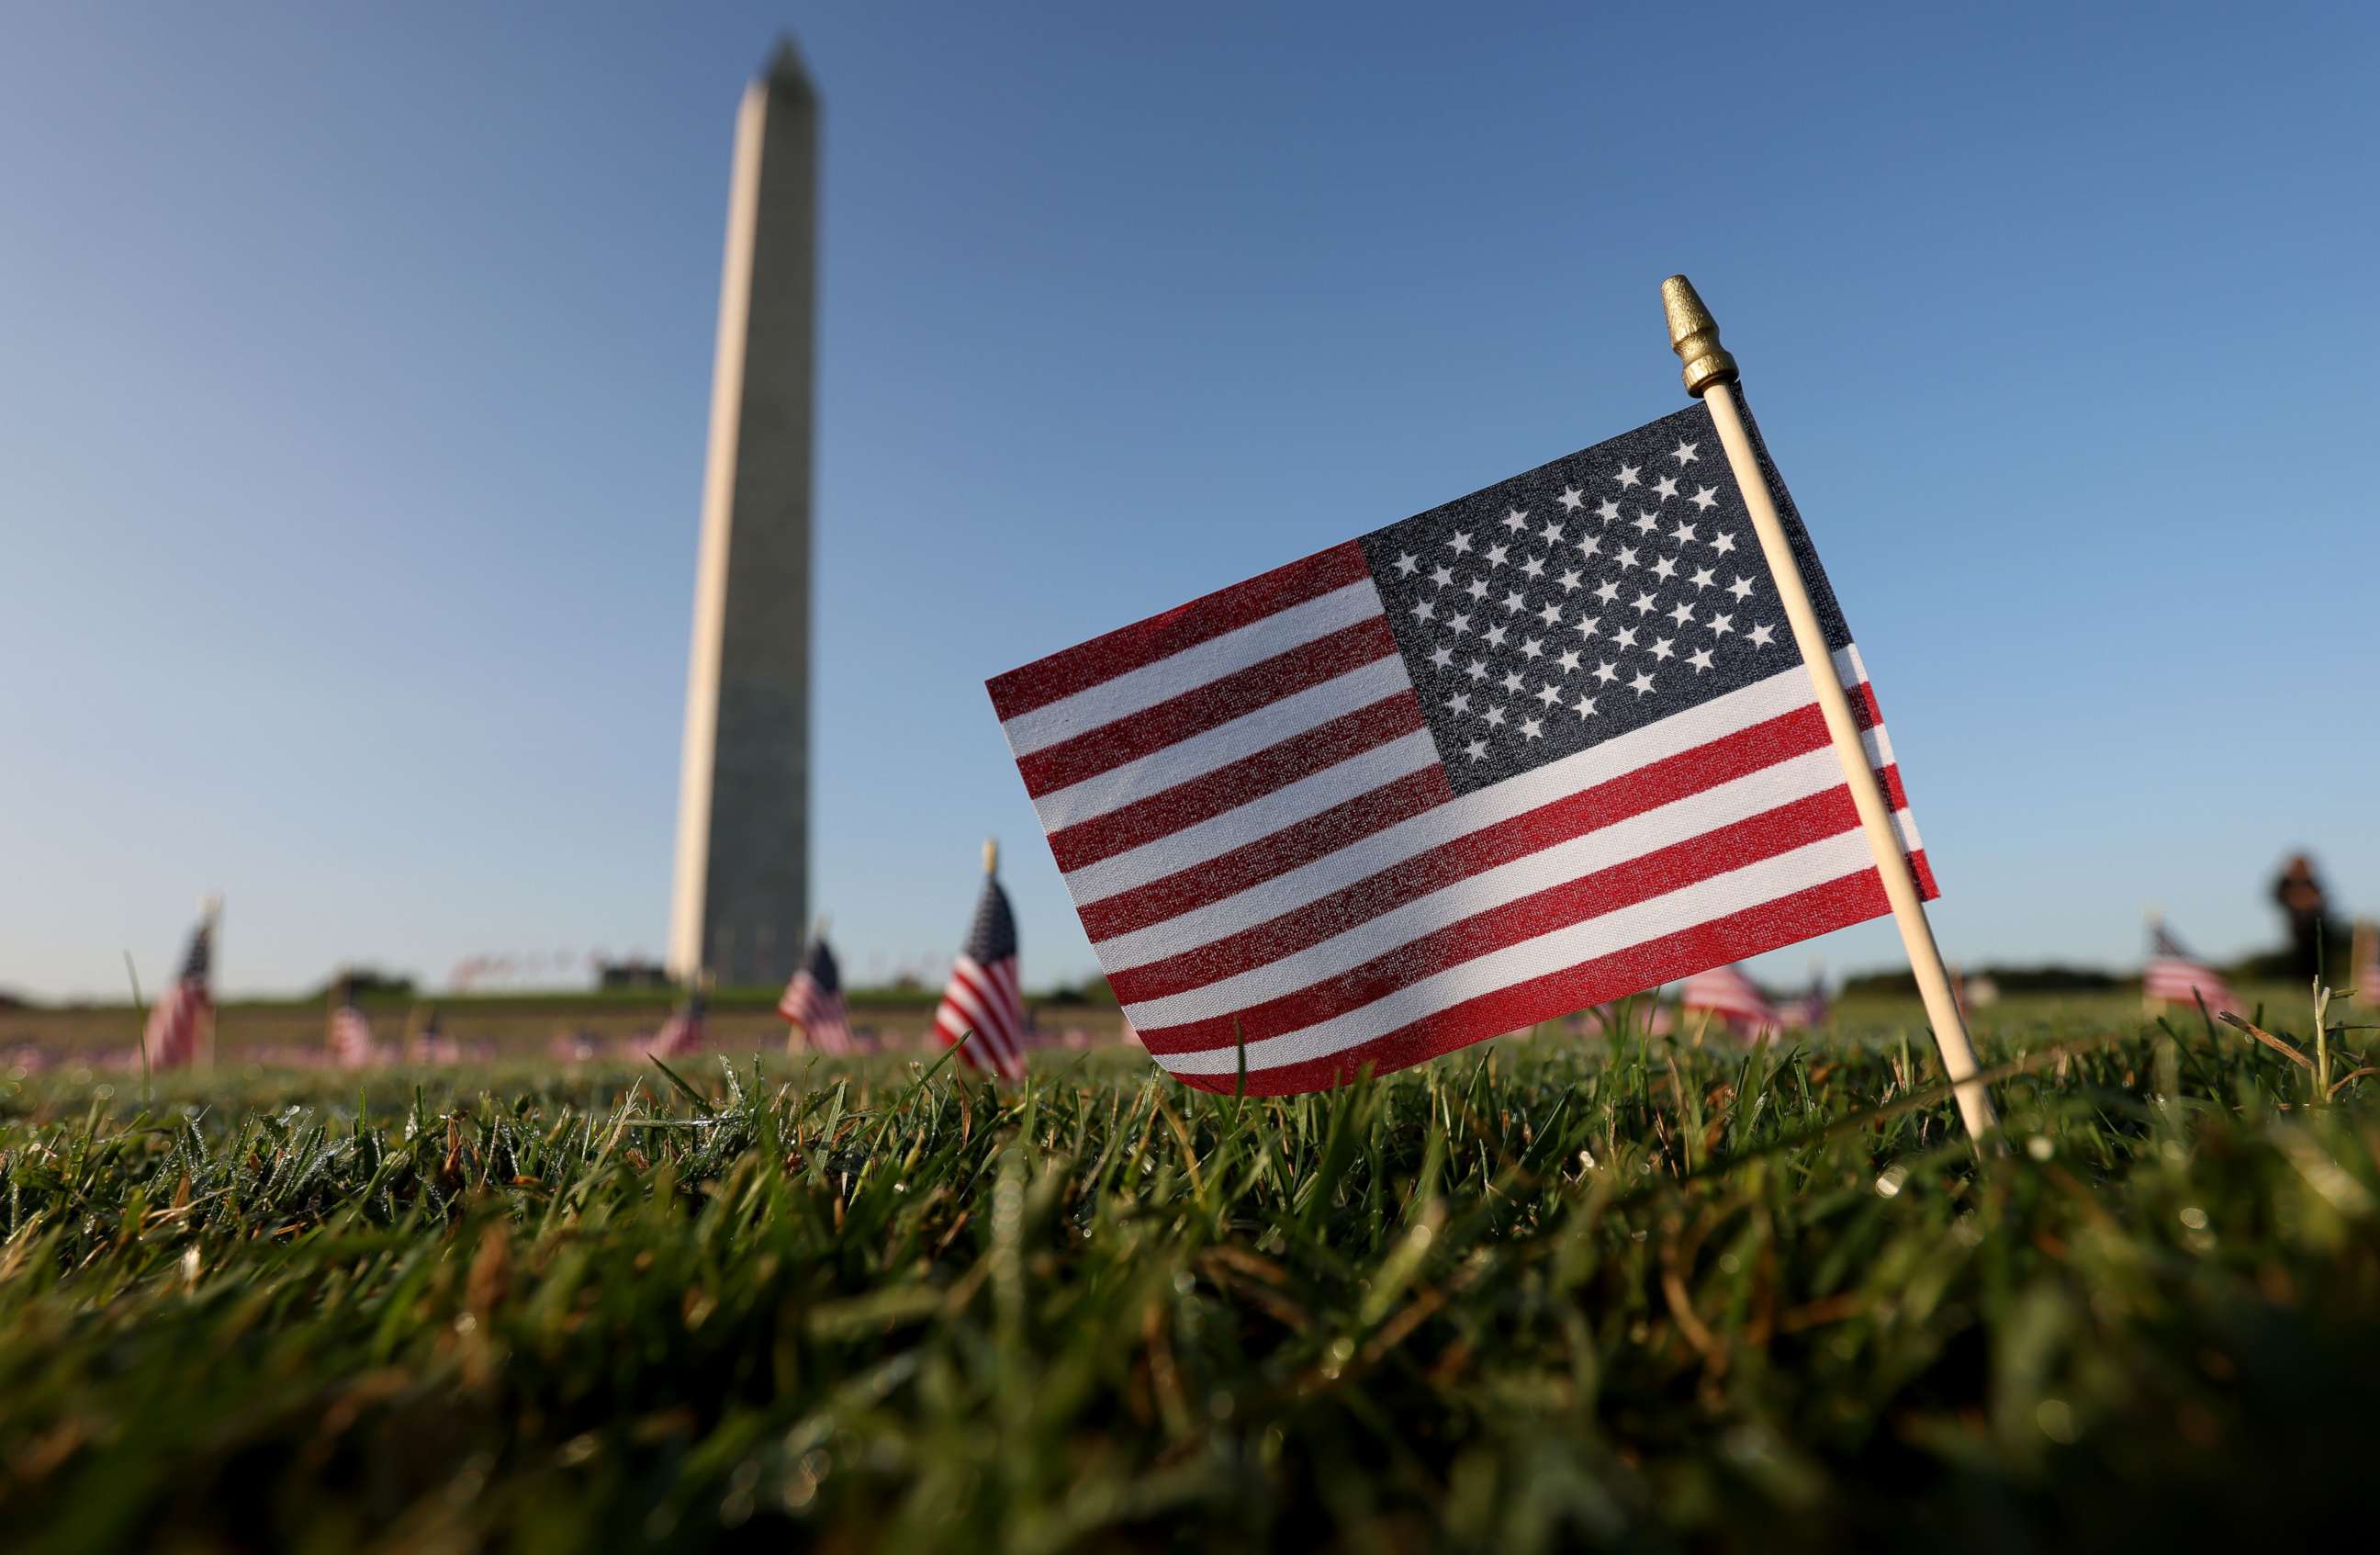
(741, 896)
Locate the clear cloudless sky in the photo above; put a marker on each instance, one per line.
(354, 369)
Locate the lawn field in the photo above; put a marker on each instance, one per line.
(1648, 1294)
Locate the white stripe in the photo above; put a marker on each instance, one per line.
(1434, 827)
(1194, 666)
(1224, 744)
(1831, 859)
(1160, 856)
(1677, 821)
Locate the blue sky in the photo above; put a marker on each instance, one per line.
(354, 369)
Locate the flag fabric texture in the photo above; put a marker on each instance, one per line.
(1536, 749)
(813, 1003)
(984, 995)
(1727, 993)
(351, 1034)
(682, 1033)
(2175, 977)
(171, 1034)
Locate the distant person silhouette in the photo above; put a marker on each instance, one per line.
(2299, 892)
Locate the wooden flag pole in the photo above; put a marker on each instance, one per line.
(1709, 372)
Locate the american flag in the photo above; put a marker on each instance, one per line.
(984, 995)
(431, 1045)
(351, 1034)
(813, 1003)
(2175, 977)
(171, 1036)
(1726, 992)
(1536, 749)
(1811, 1010)
(682, 1033)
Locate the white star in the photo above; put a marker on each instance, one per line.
(1681, 616)
(1423, 610)
(1642, 684)
(1458, 624)
(1406, 566)
(1495, 635)
(1496, 554)
(1476, 587)
(1571, 499)
(1666, 568)
(1685, 453)
(1627, 476)
(1515, 520)
(1699, 658)
(1607, 591)
(1443, 576)
(1512, 681)
(1666, 486)
(1459, 703)
(1495, 717)
(1721, 624)
(1627, 556)
(1644, 604)
(1530, 728)
(1702, 579)
(1761, 636)
(1722, 542)
(1477, 670)
(1740, 588)
(1587, 707)
(1685, 535)
(1533, 568)
(1551, 534)
(1607, 510)
(1589, 544)
(1586, 629)
(1533, 648)
(1705, 497)
(1459, 544)
(1568, 581)
(1550, 615)
(1512, 603)
(1645, 522)
(1441, 657)
(1477, 750)
(1624, 638)
(1661, 648)
(1568, 660)
(1606, 673)
(1549, 693)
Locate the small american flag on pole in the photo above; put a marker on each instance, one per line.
(813, 1003)
(171, 1035)
(1727, 993)
(682, 1033)
(984, 995)
(2175, 977)
(1541, 748)
(351, 1034)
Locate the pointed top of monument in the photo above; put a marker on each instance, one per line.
(785, 66)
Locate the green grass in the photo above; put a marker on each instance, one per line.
(1538, 1296)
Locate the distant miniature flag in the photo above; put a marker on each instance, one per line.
(171, 1036)
(351, 1034)
(984, 995)
(2367, 964)
(1726, 993)
(682, 1033)
(1542, 748)
(431, 1045)
(813, 1003)
(2175, 977)
(1810, 1010)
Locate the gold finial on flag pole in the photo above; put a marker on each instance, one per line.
(992, 855)
(1709, 372)
(1694, 334)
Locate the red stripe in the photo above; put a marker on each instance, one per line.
(1850, 899)
(1647, 875)
(1342, 825)
(1143, 642)
(1207, 707)
(1688, 772)
(1211, 793)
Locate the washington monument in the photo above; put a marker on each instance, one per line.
(741, 899)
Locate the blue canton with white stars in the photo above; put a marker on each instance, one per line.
(1591, 596)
